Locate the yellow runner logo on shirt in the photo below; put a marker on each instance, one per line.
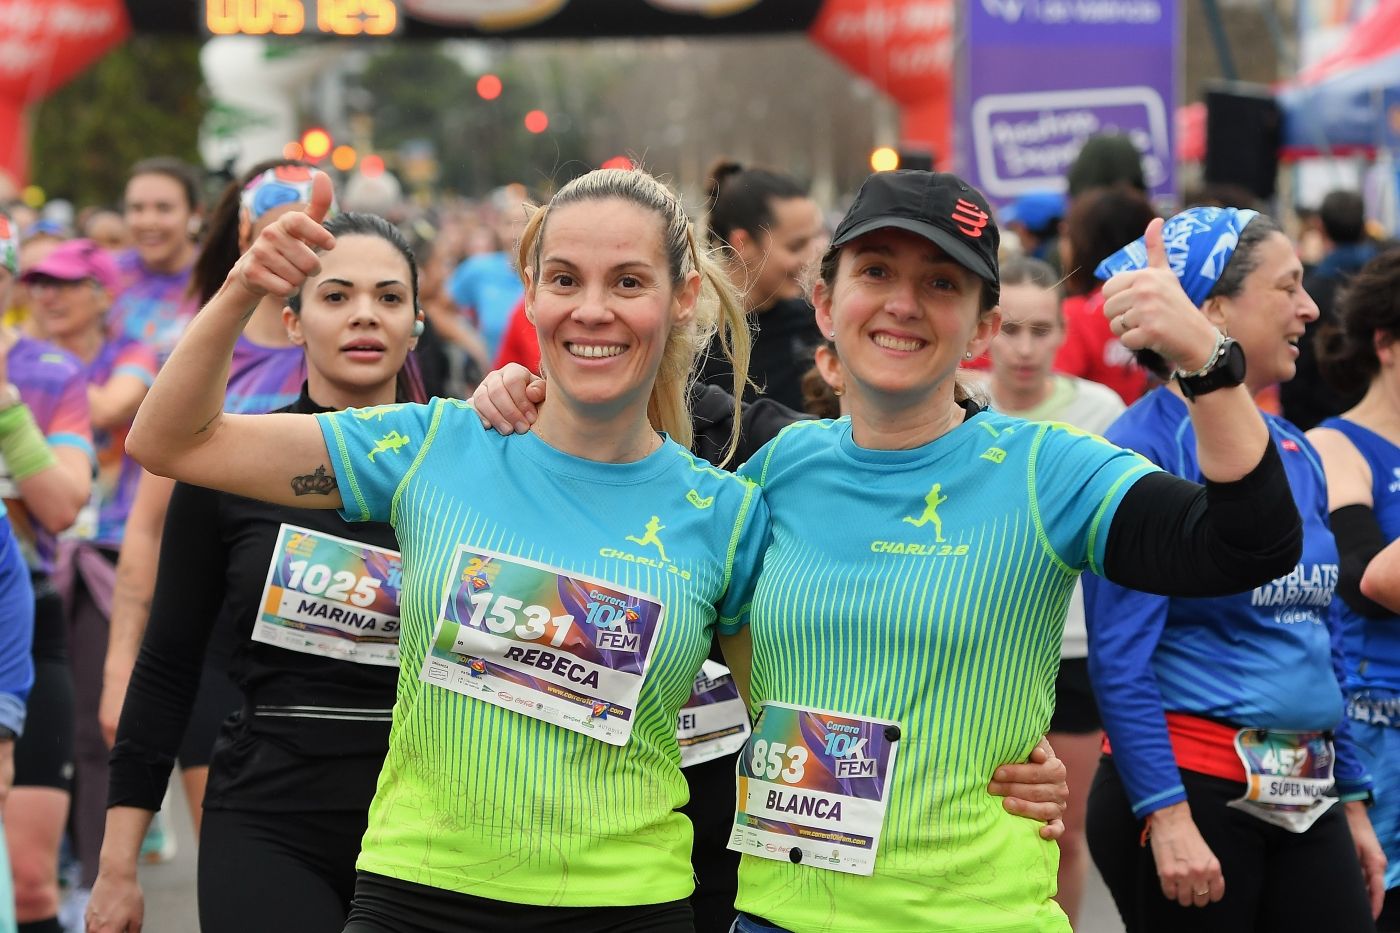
(389, 443)
(931, 503)
(927, 515)
(650, 537)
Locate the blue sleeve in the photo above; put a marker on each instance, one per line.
(1353, 780)
(747, 546)
(461, 287)
(16, 631)
(373, 450)
(1077, 480)
(1124, 628)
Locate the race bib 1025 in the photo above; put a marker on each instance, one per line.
(333, 597)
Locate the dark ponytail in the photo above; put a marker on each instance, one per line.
(742, 199)
(220, 248)
(1346, 348)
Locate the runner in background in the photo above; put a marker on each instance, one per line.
(486, 286)
(16, 626)
(72, 289)
(1100, 221)
(769, 230)
(266, 373)
(1023, 383)
(1222, 711)
(162, 209)
(292, 775)
(47, 453)
(1360, 452)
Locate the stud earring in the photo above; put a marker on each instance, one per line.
(831, 336)
(418, 327)
(967, 355)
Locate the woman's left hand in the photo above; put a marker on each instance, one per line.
(1368, 852)
(1036, 790)
(1147, 309)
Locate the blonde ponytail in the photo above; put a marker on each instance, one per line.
(718, 310)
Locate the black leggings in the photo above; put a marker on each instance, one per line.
(44, 753)
(711, 812)
(389, 905)
(277, 872)
(1275, 880)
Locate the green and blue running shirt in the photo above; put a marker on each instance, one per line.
(487, 801)
(928, 587)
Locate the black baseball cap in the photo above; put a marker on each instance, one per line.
(938, 206)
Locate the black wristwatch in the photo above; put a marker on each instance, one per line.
(1224, 369)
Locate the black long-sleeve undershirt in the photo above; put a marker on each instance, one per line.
(213, 566)
(1174, 537)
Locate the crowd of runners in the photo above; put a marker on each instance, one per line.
(572, 560)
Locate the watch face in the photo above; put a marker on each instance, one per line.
(1234, 362)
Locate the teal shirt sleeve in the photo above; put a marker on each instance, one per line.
(1077, 481)
(747, 545)
(372, 451)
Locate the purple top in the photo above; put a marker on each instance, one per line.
(117, 474)
(263, 379)
(150, 307)
(51, 383)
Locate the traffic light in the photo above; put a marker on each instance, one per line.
(316, 143)
(344, 157)
(537, 121)
(620, 161)
(488, 87)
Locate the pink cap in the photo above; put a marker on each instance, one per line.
(73, 261)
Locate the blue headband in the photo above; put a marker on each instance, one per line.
(1199, 242)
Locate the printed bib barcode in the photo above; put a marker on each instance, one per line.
(813, 787)
(714, 722)
(1288, 776)
(558, 647)
(332, 597)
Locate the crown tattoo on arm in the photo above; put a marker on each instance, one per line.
(319, 483)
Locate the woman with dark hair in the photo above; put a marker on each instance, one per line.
(769, 229)
(1099, 222)
(266, 373)
(311, 603)
(162, 210)
(1226, 736)
(1360, 453)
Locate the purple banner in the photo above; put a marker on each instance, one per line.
(1038, 77)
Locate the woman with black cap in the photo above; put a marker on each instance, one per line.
(899, 663)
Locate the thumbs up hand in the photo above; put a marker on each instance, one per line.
(284, 255)
(1148, 310)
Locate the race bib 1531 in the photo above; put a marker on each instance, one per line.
(558, 647)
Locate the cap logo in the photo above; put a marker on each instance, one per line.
(970, 218)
